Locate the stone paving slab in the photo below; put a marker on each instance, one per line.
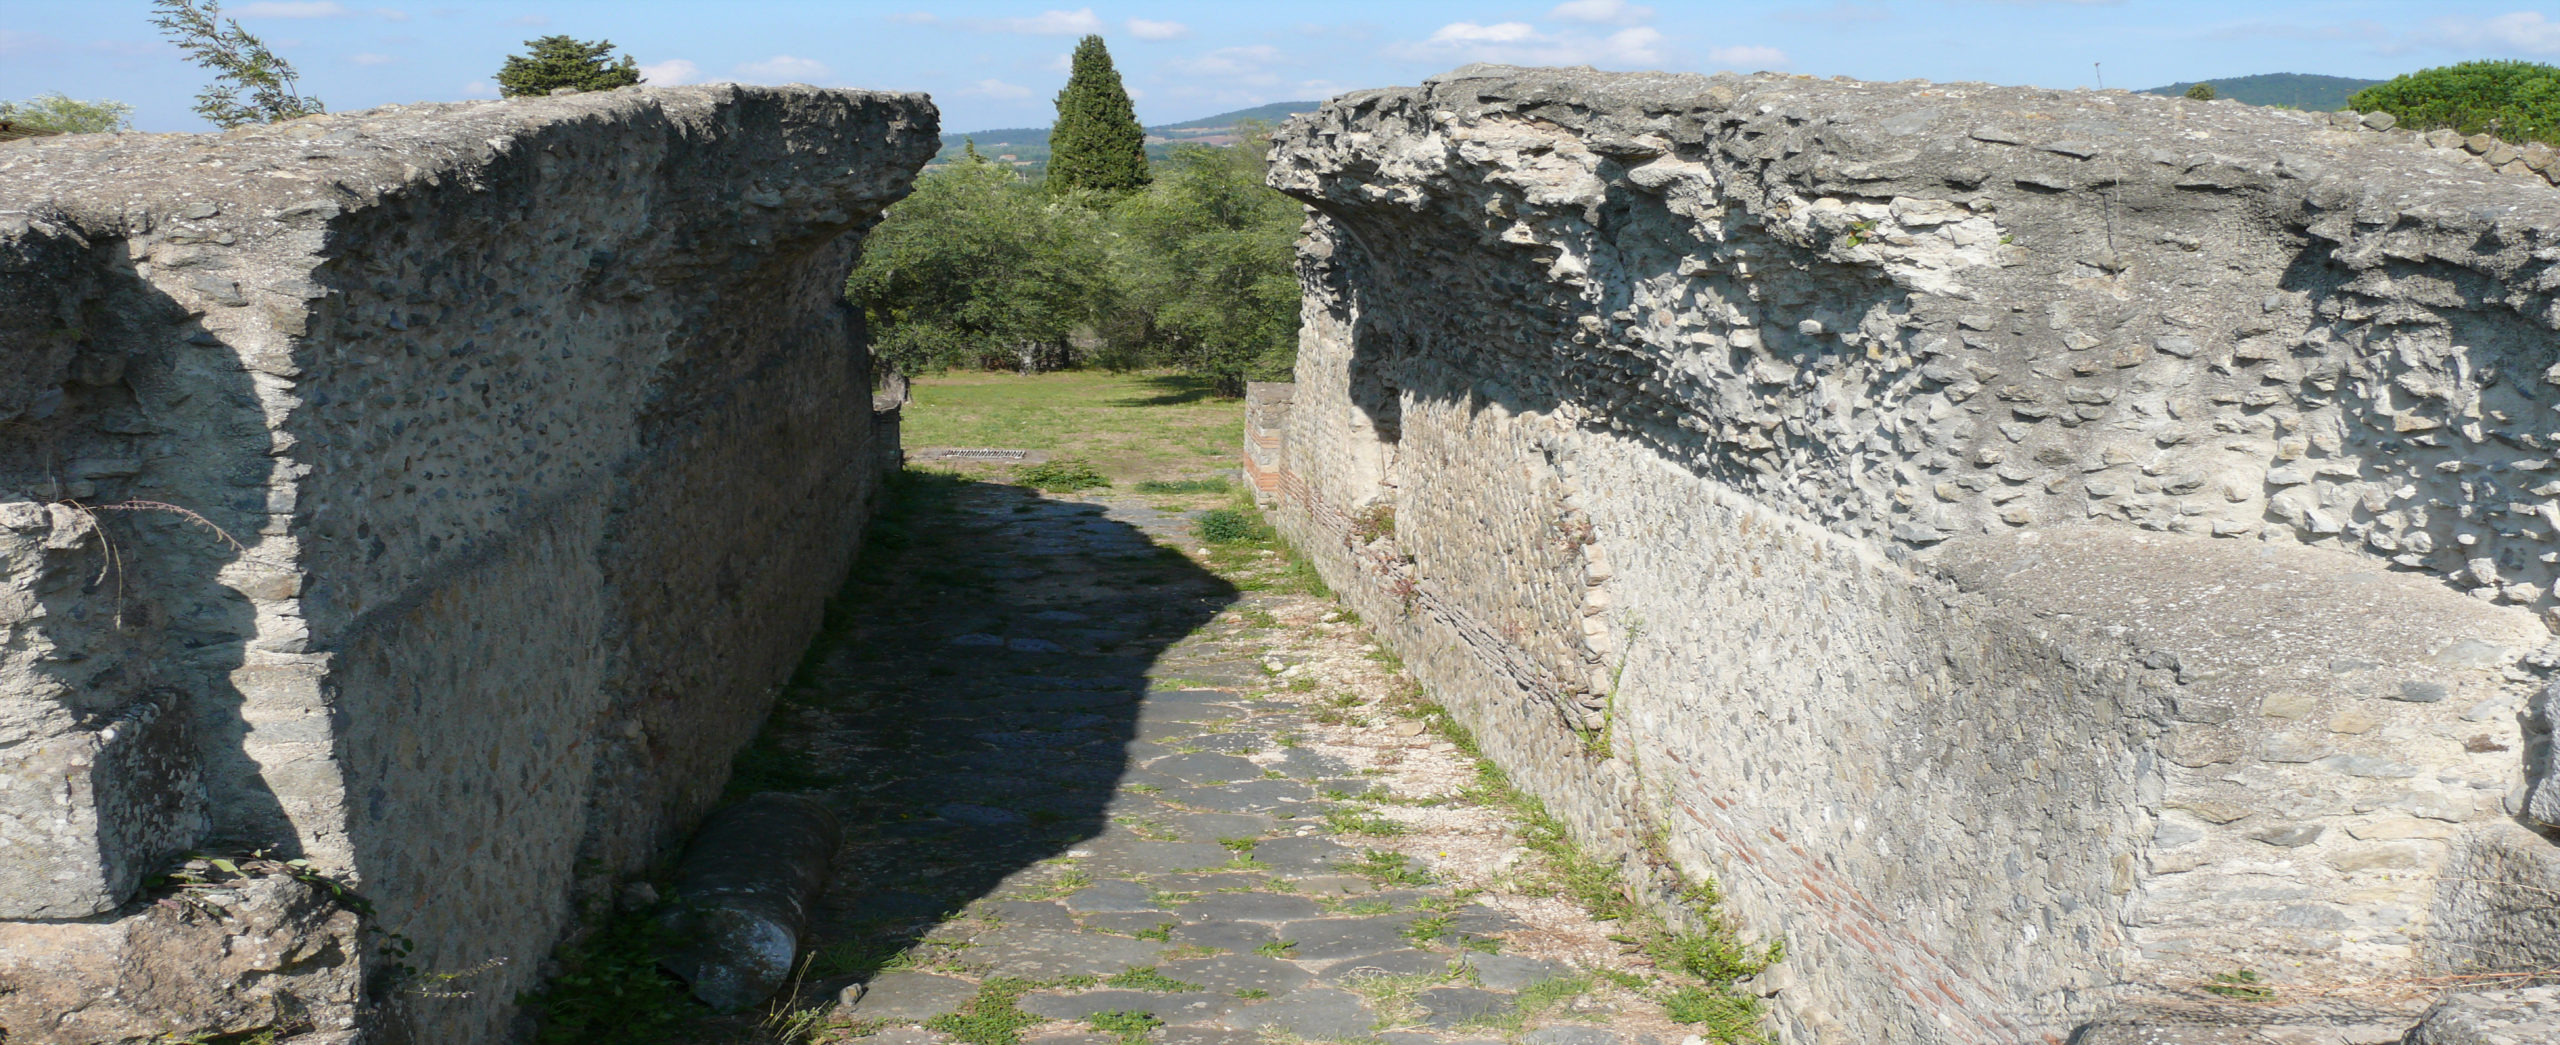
(1313, 1012)
(1239, 972)
(906, 996)
(1069, 804)
(1184, 1007)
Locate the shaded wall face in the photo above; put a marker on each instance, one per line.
(1871, 768)
(548, 437)
(1654, 418)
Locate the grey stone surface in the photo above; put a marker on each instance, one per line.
(1251, 796)
(1204, 766)
(1032, 914)
(1225, 936)
(1238, 972)
(1210, 827)
(742, 895)
(1313, 1012)
(1249, 907)
(2051, 392)
(906, 996)
(1505, 972)
(1570, 1036)
(1447, 1007)
(1111, 896)
(1400, 962)
(1306, 854)
(2510, 1017)
(1154, 858)
(1325, 939)
(1182, 1007)
(1048, 955)
(419, 427)
(1129, 923)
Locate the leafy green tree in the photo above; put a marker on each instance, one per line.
(2202, 92)
(2517, 101)
(1207, 266)
(1096, 145)
(977, 267)
(68, 115)
(560, 61)
(239, 62)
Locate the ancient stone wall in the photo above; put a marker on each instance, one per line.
(2035, 549)
(435, 494)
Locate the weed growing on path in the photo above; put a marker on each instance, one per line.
(1065, 475)
(1146, 978)
(990, 1017)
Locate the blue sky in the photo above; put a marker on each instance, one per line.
(997, 64)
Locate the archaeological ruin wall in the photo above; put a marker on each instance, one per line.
(2035, 550)
(436, 495)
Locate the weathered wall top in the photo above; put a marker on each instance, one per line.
(1921, 310)
(434, 493)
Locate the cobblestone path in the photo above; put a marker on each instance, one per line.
(1099, 794)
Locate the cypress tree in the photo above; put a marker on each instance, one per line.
(1096, 143)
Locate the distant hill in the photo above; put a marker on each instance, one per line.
(1028, 147)
(1275, 112)
(2291, 90)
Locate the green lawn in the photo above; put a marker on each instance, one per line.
(1133, 427)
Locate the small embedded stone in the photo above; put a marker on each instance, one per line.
(2416, 692)
(2288, 836)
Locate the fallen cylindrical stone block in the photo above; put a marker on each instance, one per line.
(743, 893)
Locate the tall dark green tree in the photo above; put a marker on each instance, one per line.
(1096, 145)
(562, 61)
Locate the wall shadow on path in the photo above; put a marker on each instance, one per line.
(969, 705)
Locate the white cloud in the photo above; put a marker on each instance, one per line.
(783, 68)
(1602, 12)
(1519, 43)
(391, 14)
(997, 89)
(370, 58)
(15, 42)
(479, 89)
(2520, 32)
(913, 17)
(1748, 57)
(673, 72)
(1146, 30)
(532, 20)
(290, 9)
(1047, 23)
(1459, 34)
(1251, 61)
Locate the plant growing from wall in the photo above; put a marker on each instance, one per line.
(555, 62)
(239, 62)
(67, 115)
(2202, 92)
(1096, 145)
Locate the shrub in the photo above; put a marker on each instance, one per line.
(1228, 526)
(1065, 475)
(1727, 1015)
(1217, 485)
(2516, 101)
(2202, 92)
